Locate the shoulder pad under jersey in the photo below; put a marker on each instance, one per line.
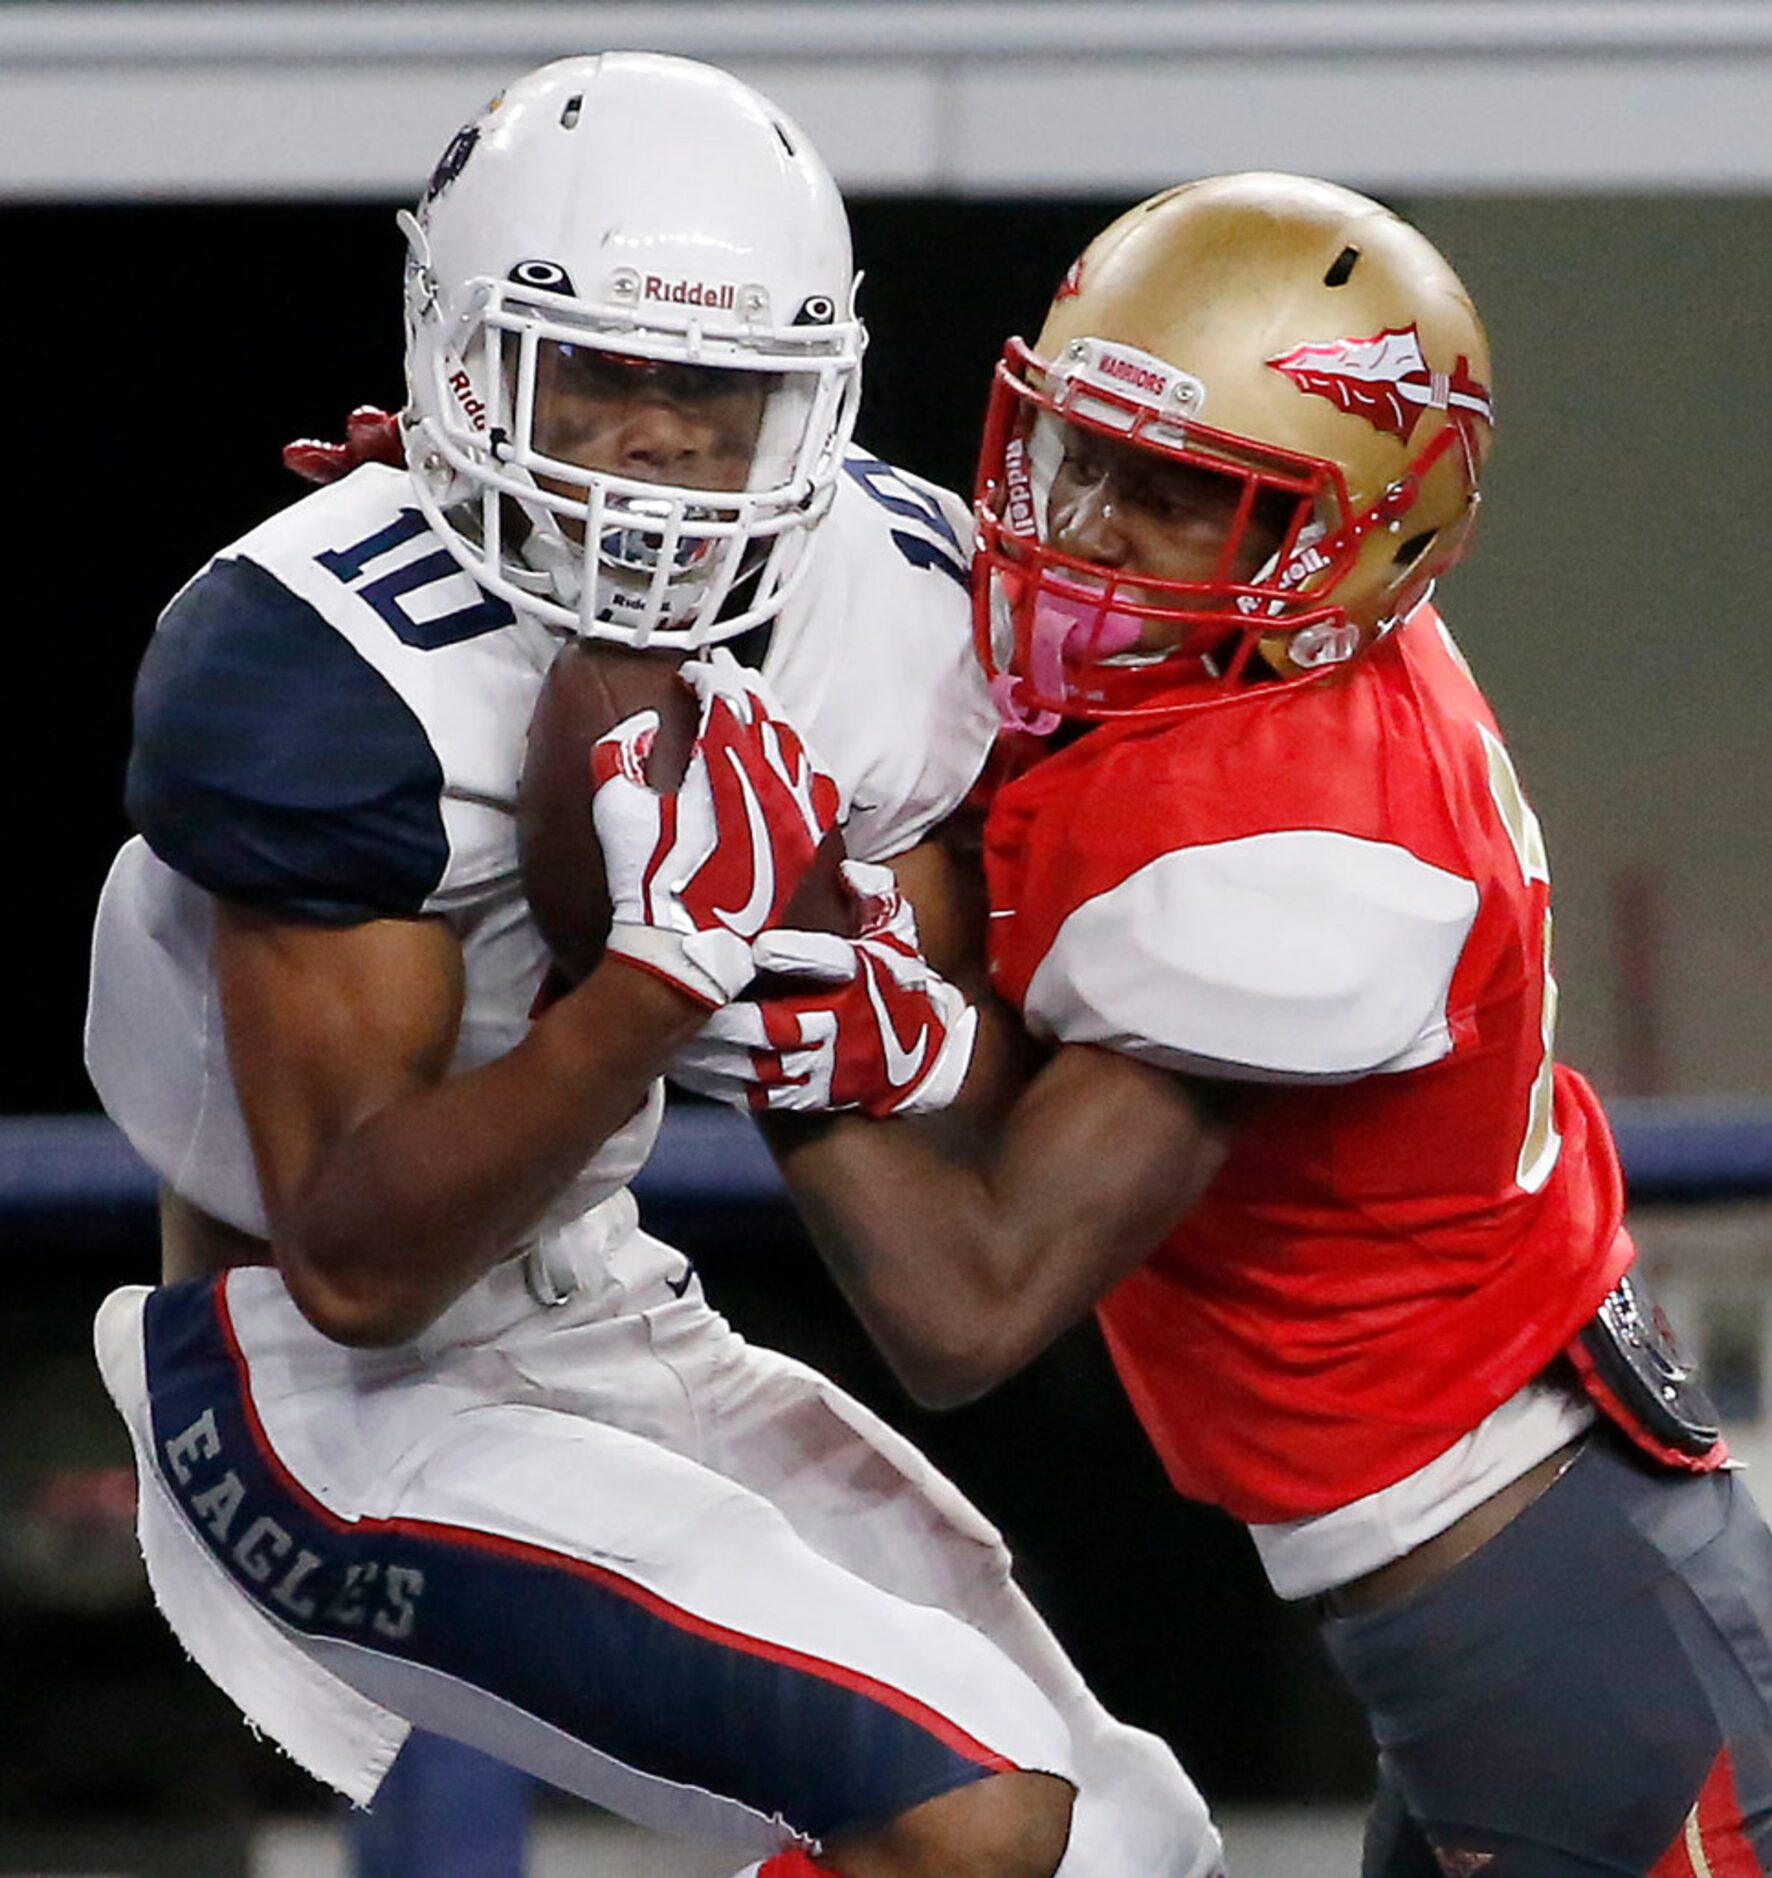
(275, 763)
(1300, 955)
(873, 655)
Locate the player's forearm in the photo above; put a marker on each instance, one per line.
(423, 1196)
(912, 1239)
(965, 1257)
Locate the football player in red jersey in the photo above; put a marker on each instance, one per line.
(1270, 894)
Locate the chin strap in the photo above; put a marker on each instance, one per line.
(551, 565)
(1069, 623)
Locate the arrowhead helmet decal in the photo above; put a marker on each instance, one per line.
(1386, 380)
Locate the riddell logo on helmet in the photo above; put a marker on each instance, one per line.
(689, 292)
(1022, 518)
(472, 407)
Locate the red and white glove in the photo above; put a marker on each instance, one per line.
(876, 1029)
(372, 435)
(694, 877)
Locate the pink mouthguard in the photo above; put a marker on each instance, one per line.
(1068, 623)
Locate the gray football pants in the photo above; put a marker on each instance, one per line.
(1591, 1692)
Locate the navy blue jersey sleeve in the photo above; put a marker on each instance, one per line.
(273, 765)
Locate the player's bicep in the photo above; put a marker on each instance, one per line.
(964, 1269)
(943, 878)
(1102, 1158)
(947, 893)
(326, 1026)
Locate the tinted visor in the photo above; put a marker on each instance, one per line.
(692, 426)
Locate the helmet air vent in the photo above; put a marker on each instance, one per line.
(1341, 268)
(1168, 195)
(787, 142)
(569, 113)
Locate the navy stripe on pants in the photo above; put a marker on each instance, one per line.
(587, 1651)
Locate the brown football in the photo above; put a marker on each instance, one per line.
(590, 688)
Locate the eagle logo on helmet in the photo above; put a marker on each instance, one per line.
(1387, 380)
(451, 163)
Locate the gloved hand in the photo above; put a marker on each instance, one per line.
(696, 876)
(876, 1028)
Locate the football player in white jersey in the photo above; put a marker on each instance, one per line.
(429, 1432)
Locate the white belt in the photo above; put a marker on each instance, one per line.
(565, 1264)
(560, 1264)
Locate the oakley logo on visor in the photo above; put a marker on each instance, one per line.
(549, 276)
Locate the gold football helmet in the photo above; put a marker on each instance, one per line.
(1279, 354)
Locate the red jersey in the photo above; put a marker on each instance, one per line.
(1336, 890)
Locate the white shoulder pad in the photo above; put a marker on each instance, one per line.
(1296, 956)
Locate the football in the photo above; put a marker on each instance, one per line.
(591, 686)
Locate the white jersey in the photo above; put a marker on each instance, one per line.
(330, 726)
(698, 1533)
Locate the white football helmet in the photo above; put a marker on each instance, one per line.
(630, 220)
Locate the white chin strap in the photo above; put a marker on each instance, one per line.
(549, 560)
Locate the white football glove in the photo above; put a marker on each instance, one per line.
(694, 877)
(876, 1028)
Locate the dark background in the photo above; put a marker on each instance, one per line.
(171, 350)
(180, 346)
